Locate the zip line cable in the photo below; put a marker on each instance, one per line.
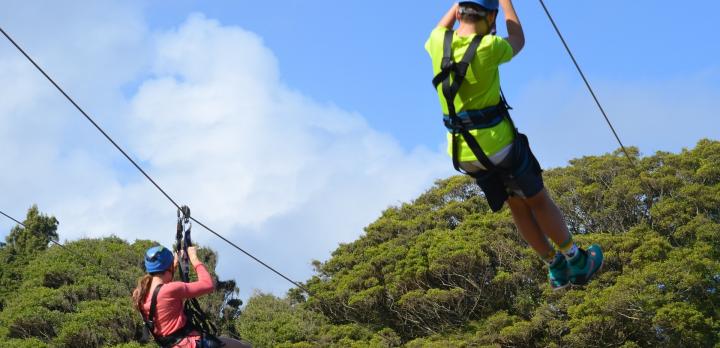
(648, 200)
(105, 134)
(587, 83)
(23, 225)
(12, 218)
(87, 117)
(251, 256)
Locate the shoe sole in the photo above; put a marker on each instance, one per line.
(559, 287)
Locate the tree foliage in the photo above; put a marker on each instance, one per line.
(441, 271)
(79, 296)
(22, 245)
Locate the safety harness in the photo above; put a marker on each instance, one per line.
(172, 339)
(196, 318)
(451, 76)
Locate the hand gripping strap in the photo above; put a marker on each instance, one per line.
(196, 317)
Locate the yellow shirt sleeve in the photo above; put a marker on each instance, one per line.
(434, 44)
(502, 51)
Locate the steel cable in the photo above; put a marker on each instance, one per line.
(137, 166)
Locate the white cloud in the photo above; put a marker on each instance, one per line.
(264, 165)
(52, 156)
(274, 170)
(218, 125)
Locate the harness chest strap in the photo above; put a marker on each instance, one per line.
(450, 89)
(175, 337)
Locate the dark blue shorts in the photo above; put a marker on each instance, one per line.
(521, 176)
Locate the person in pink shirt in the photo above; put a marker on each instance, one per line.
(170, 325)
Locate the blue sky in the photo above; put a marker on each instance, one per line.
(195, 91)
(369, 57)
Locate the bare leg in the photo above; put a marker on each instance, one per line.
(233, 343)
(548, 217)
(528, 226)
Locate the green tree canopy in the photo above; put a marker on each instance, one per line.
(443, 271)
(440, 271)
(79, 296)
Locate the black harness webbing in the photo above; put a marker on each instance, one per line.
(172, 339)
(193, 311)
(197, 320)
(456, 71)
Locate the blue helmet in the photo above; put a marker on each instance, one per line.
(491, 5)
(158, 259)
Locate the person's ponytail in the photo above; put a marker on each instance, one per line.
(141, 291)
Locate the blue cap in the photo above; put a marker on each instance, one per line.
(158, 259)
(491, 5)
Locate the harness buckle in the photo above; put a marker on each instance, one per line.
(450, 125)
(464, 124)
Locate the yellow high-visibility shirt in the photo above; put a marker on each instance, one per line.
(480, 90)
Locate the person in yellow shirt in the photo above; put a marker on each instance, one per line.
(483, 140)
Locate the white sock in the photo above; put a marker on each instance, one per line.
(569, 253)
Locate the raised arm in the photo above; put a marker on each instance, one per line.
(204, 285)
(448, 20)
(516, 37)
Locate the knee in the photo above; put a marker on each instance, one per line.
(515, 202)
(539, 200)
(519, 208)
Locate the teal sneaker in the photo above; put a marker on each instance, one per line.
(584, 265)
(559, 273)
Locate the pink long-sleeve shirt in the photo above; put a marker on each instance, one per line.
(170, 316)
